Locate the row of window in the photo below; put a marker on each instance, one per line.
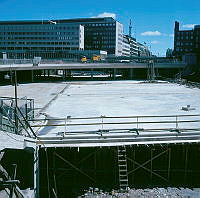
(99, 46)
(103, 38)
(39, 38)
(38, 27)
(105, 42)
(100, 33)
(39, 33)
(39, 43)
(40, 48)
(183, 49)
(126, 50)
(184, 43)
(185, 33)
(100, 24)
(184, 37)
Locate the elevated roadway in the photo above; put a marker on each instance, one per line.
(71, 66)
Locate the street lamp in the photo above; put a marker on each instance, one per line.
(7, 77)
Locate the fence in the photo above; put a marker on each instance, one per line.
(125, 124)
(10, 119)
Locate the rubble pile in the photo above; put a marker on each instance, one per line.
(144, 193)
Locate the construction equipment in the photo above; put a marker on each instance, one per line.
(84, 59)
(96, 58)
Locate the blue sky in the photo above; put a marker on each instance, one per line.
(153, 20)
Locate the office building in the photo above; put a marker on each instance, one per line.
(186, 42)
(49, 39)
(133, 46)
(125, 46)
(103, 34)
(143, 50)
(58, 38)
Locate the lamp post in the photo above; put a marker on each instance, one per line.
(15, 92)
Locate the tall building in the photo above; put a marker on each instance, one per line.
(125, 46)
(143, 50)
(49, 39)
(186, 41)
(103, 34)
(133, 46)
(58, 38)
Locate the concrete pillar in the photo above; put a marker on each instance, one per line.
(68, 73)
(114, 73)
(131, 74)
(56, 72)
(65, 74)
(32, 75)
(48, 72)
(36, 172)
(92, 75)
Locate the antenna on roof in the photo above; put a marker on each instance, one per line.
(130, 28)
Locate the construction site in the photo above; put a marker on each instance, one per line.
(59, 139)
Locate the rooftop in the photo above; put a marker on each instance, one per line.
(58, 21)
(107, 113)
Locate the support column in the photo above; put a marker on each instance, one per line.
(169, 163)
(92, 76)
(114, 73)
(110, 73)
(63, 74)
(68, 74)
(44, 73)
(36, 172)
(186, 162)
(151, 163)
(56, 72)
(131, 74)
(32, 75)
(133, 166)
(54, 177)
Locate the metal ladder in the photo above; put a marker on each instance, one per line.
(122, 165)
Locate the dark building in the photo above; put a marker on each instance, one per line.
(103, 34)
(186, 42)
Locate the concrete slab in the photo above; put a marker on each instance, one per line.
(110, 98)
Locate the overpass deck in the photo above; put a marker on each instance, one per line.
(133, 65)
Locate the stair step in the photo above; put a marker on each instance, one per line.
(122, 160)
(123, 175)
(121, 155)
(124, 186)
(121, 151)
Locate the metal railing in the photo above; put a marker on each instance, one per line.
(115, 124)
